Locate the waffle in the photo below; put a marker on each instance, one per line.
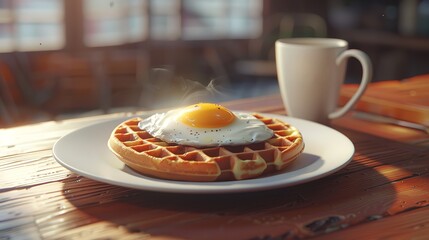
(154, 157)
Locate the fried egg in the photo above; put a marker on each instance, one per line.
(206, 124)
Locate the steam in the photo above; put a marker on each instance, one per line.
(163, 89)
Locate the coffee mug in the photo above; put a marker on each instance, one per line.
(310, 72)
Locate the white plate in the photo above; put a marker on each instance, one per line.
(85, 152)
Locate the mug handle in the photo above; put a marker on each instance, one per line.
(366, 78)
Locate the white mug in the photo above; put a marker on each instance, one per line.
(310, 72)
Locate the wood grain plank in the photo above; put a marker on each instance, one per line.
(408, 225)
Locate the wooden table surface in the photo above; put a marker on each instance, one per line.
(382, 194)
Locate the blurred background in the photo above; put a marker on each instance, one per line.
(67, 58)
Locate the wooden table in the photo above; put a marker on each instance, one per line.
(382, 194)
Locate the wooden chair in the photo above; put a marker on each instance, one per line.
(23, 92)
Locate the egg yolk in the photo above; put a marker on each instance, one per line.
(206, 115)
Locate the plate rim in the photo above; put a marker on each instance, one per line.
(189, 187)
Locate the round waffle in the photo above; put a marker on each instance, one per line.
(154, 157)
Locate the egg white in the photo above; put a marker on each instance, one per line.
(245, 129)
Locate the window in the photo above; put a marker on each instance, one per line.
(208, 19)
(27, 25)
(165, 19)
(114, 22)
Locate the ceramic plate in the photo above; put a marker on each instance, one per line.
(85, 152)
